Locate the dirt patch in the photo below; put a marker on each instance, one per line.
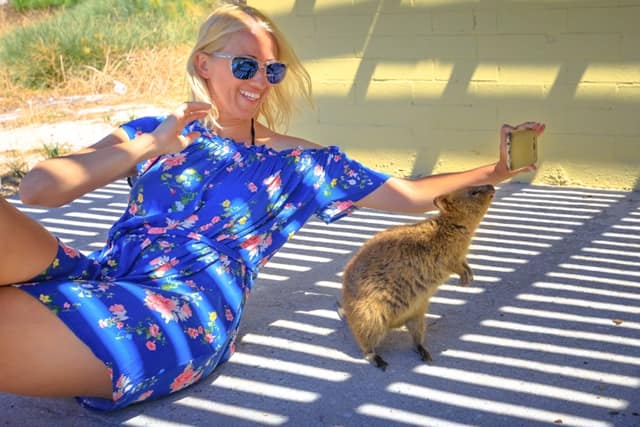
(82, 121)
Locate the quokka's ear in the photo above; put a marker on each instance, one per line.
(439, 203)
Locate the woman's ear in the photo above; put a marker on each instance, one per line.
(202, 65)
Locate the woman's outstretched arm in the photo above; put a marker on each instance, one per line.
(417, 195)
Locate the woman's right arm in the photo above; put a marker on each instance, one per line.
(56, 181)
(59, 180)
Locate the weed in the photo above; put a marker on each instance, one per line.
(17, 168)
(53, 150)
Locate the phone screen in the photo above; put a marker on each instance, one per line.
(522, 148)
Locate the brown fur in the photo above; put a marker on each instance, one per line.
(389, 281)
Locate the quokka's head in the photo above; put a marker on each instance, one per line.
(470, 202)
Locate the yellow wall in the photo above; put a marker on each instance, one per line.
(413, 87)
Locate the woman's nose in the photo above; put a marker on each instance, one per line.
(261, 76)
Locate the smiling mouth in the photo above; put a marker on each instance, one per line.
(251, 95)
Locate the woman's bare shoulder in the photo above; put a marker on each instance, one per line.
(280, 142)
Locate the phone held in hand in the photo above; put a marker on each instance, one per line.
(522, 148)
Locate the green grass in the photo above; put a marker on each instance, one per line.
(18, 168)
(53, 150)
(93, 34)
(22, 5)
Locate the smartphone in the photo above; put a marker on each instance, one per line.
(522, 148)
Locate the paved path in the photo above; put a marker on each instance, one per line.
(548, 335)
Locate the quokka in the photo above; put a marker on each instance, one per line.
(390, 280)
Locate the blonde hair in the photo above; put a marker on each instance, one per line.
(279, 107)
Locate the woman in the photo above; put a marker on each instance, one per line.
(215, 193)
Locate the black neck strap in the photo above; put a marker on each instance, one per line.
(253, 134)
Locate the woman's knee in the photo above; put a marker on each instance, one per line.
(27, 248)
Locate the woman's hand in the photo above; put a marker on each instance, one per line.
(501, 171)
(168, 134)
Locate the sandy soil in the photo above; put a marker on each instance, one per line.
(81, 121)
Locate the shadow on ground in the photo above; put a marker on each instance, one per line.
(548, 334)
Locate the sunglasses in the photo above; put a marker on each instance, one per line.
(245, 67)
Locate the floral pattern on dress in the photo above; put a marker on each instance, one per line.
(161, 303)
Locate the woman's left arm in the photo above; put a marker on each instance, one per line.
(417, 195)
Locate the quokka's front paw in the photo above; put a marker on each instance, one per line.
(424, 354)
(466, 276)
(378, 361)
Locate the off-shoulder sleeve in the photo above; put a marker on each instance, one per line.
(141, 125)
(137, 127)
(343, 181)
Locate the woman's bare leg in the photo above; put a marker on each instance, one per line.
(40, 356)
(27, 248)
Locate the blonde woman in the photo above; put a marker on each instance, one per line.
(217, 190)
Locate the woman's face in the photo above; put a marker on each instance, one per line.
(239, 100)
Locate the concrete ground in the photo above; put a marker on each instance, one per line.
(549, 333)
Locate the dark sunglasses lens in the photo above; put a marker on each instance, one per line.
(244, 68)
(276, 72)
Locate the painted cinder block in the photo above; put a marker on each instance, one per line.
(394, 7)
(516, 93)
(591, 47)
(393, 93)
(629, 51)
(464, 117)
(413, 24)
(615, 72)
(454, 21)
(514, 19)
(595, 93)
(628, 94)
(364, 114)
(344, 25)
(603, 19)
(420, 70)
(274, 8)
(421, 47)
(526, 72)
(610, 120)
(441, 93)
(485, 20)
(323, 69)
(298, 26)
(466, 70)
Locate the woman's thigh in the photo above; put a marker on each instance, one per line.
(40, 356)
(27, 248)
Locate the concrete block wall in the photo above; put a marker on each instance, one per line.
(414, 87)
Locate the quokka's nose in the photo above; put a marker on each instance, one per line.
(489, 189)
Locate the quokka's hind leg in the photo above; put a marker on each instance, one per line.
(416, 326)
(368, 329)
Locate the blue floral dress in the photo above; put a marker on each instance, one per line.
(161, 302)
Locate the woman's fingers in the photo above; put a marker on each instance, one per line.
(537, 126)
(169, 132)
(191, 136)
(193, 110)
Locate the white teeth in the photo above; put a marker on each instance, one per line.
(253, 96)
